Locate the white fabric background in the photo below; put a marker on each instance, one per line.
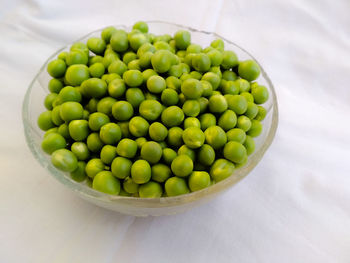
(293, 207)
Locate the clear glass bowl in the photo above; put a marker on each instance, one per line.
(33, 106)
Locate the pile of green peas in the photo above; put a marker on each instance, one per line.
(135, 114)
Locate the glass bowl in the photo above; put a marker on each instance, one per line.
(33, 106)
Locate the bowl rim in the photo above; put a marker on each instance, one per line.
(216, 188)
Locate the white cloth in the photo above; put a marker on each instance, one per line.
(293, 207)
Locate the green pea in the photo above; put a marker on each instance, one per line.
(134, 96)
(161, 61)
(187, 151)
(192, 88)
(137, 40)
(97, 120)
(182, 165)
(79, 174)
(237, 103)
(95, 87)
(107, 33)
(249, 144)
(217, 103)
(71, 111)
(228, 120)
(255, 129)
(191, 108)
(130, 186)
(249, 97)
(175, 71)
(156, 84)
(235, 152)
(53, 142)
(172, 116)
(213, 79)
(64, 160)
(168, 155)
(221, 169)
(78, 129)
(146, 47)
(105, 182)
(206, 155)
(261, 113)
(216, 57)
(45, 121)
(96, 70)
(56, 68)
(176, 186)
(260, 94)
(62, 55)
(133, 78)
(244, 123)
(229, 87)
(86, 115)
(160, 172)
(169, 97)
(150, 190)
(150, 109)
(94, 60)
(135, 65)
(158, 132)
(218, 44)
(118, 67)
(127, 148)
(173, 83)
(215, 136)
(64, 131)
(69, 93)
(198, 180)
(50, 131)
(182, 39)
(142, 26)
(182, 99)
(96, 45)
(75, 57)
(110, 133)
(249, 70)
(229, 75)
(119, 41)
(201, 62)
(141, 172)
(196, 75)
(236, 134)
(151, 151)
(124, 127)
(121, 167)
(192, 122)
(122, 110)
(80, 150)
(207, 120)
(49, 100)
(129, 56)
(193, 137)
(145, 60)
(207, 88)
(146, 74)
(108, 153)
(252, 110)
(203, 104)
(108, 60)
(216, 70)
(93, 167)
(55, 85)
(105, 105)
(94, 143)
(138, 126)
(92, 105)
(229, 59)
(140, 141)
(79, 46)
